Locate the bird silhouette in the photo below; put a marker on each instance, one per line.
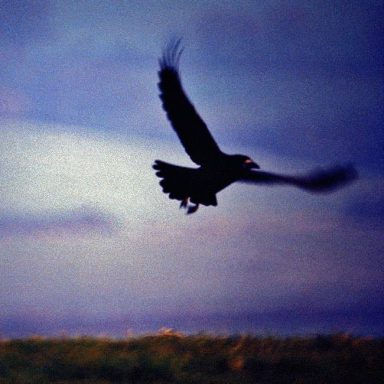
(195, 186)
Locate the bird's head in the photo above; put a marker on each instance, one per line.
(244, 162)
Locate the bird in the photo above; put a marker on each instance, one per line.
(217, 170)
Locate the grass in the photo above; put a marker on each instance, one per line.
(175, 358)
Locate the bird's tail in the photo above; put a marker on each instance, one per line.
(175, 180)
(182, 183)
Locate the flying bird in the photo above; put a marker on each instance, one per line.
(217, 170)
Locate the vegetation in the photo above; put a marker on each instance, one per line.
(174, 358)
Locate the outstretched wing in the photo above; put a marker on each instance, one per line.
(191, 129)
(316, 181)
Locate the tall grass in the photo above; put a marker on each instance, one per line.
(203, 359)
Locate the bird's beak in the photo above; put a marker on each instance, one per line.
(250, 164)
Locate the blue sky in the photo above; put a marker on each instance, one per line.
(88, 242)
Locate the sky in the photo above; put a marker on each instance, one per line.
(89, 244)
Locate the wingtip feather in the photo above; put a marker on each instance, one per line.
(171, 55)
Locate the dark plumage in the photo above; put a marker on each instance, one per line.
(217, 169)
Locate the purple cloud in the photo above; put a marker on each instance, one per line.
(75, 222)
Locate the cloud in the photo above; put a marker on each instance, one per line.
(366, 207)
(296, 79)
(300, 80)
(51, 168)
(260, 249)
(78, 222)
(13, 103)
(24, 22)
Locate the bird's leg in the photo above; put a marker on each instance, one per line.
(184, 202)
(192, 209)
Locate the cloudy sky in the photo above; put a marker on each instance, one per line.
(88, 241)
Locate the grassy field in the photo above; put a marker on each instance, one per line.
(203, 359)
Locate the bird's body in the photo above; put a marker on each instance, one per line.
(217, 169)
(198, 185)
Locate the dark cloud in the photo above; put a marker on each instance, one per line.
(362, 319)
(293, 36)
(286, 79)
(368, 211)
(298, 79)
(76, 222)
(23, 21)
